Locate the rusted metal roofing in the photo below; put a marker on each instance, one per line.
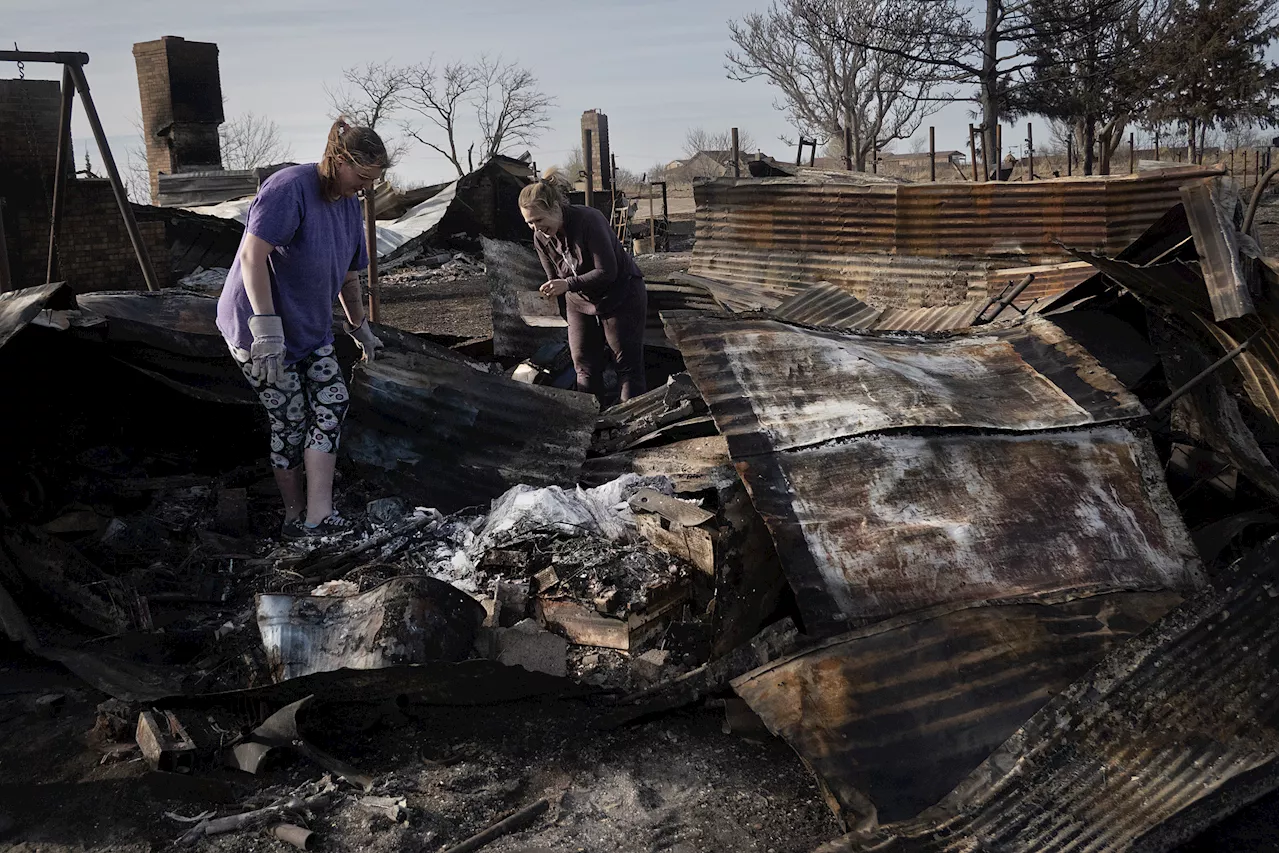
(513, 273)
(826, 305)
(941, 318)
(772, 386)
(1210, 208)
(787, 233)
(872, 520)
(453, 437)
(1171, 732)
(892, 716)
(875, 526)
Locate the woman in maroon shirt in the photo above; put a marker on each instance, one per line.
(605, 297)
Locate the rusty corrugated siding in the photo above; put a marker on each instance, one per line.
(787, 233)
(911, 705)
(1172, 731)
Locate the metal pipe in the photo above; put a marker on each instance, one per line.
(122, 198)
(60, 57)
(733, 141)
(514, 823)
(1257, 197)
(298, 836)
(587, 156)
(371, 241)
(60, 170)
(933, 160)
(1004, 301)
(1203, 375)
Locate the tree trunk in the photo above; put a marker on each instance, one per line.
(1089, 130)
(990, 82)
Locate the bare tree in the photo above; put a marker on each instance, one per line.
(369, 95)
(574, 164)
(437, 98)
(249, 141)
(510, 108)
(818, 54)
(700, 139)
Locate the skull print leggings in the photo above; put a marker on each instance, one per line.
(305, 405)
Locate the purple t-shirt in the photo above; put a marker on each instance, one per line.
(316, 243)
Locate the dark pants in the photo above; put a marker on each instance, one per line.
(623, 330)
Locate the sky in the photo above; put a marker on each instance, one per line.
(654, 67)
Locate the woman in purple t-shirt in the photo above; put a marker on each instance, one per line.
(303, 247)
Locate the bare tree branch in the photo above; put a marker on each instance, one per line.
(249, 141)
(437, 99)
(510, 108)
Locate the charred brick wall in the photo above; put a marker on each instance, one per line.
(180, 91)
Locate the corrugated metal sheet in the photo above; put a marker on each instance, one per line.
(772, 386)
(20, 307)
(1174, 730)
(828, 306)
(938, 319)
(1210, 207)
(1050, 280)
(788, 233)
(512, 269)
(876, 526)
(451, 437)
(891, 717)
(213, 186)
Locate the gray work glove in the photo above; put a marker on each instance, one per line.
(364, 336)
(266, 356)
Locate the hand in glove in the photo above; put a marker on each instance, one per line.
(364, 336)
(267, 353)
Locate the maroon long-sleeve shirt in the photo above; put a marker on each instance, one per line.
(602, 277)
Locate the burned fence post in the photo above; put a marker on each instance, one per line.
(371, 240)
(117, 187)
(848, 147)
(933, 162)
(666, 220)
(1031, 156)
(733, 143)
(999, 152)
(1131, 160)
(973, 154)
(60, 171)
(813, 151)
(589, 196)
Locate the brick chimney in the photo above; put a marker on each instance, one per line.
(602, 175)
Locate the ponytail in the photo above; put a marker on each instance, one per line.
(360, 146)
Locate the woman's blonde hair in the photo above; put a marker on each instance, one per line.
(546, 194)
(360, 146)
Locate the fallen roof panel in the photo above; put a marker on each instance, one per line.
(772, 386)
(892, 716)
(881, 525)
(20, 307)
(1172, 731)
(1210, 205)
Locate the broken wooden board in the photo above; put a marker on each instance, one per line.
(583, 626)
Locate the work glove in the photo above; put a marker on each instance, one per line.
(266, 355)
(365, 338)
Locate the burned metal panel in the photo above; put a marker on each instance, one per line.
(19, 307)
(942, 318)
(192, 189)
(892, 716)
(772, 386)
(454, 437)
(876, 526)
(1127, 758)
(514, 274)
(179, 322)
(195, 240)
(1210, 209)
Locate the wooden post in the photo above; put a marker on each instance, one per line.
(1231, 168)
(1031, 156)
(733, 142)
(590, 195)
(117, 187)
(973, 154)
(848, 147)
(371, 242)
(999, 152)
(1131, 160)
(799, 150)
(933, 161)
(1157, 143)
(813, 151)
(666, 221)
(60, 171)
(1069, 136)
(875, 159)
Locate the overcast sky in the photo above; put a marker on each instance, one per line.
(655, 67)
